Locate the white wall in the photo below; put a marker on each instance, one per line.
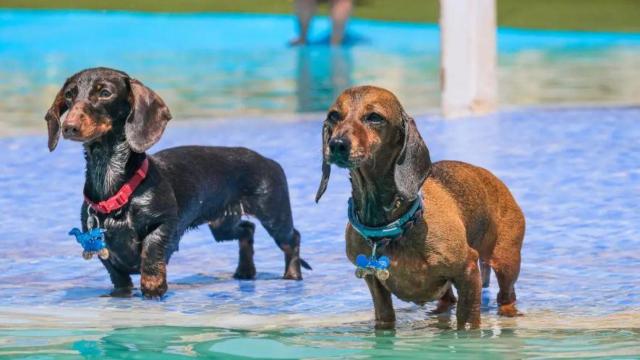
(468, 57)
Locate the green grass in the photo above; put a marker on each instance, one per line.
(603, 15)
(606, 15)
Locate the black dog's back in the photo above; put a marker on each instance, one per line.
(215, 177)
(218, 185)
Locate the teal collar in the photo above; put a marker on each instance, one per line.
(392, 230)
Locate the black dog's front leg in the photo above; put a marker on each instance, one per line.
(122, 285)
(153, 266)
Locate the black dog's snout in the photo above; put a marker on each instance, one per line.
(70, 129)
(340, 146)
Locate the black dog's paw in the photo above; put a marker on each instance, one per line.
(245, 273)
(292, 275)
(121, 292)
(154, 294)
(153, 286)
(293, 271)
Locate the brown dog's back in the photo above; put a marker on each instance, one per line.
(494, 222)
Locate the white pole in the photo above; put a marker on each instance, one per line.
(468, 57)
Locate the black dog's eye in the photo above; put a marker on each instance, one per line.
(374, 118)
(68, 95)
(104, 93)
(333, 116)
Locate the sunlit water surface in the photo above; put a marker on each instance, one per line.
(575, 172)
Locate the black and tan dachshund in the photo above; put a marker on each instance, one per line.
(467, 214)
(146, 203)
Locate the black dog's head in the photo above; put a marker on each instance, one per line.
(103, 100)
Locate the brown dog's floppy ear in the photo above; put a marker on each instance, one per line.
(413, 163)
(326, 167)
(52, 117)
(148, 118)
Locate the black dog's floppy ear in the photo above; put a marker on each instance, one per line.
(148, 118)
(413, 163)
(57, 109)
(326, 167)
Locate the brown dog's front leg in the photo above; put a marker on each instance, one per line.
(469, 286)
(385, 315)
(153, 269)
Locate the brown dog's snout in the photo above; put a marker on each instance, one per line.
(340, 147)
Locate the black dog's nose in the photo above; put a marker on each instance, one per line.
(340, 146)
(69, 129)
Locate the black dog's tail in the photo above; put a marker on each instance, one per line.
(305, 265)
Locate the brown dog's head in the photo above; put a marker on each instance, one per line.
(367, 125)
(103, 100)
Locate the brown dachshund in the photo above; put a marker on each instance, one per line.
(467, 213)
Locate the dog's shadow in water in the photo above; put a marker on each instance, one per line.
(184, 283)
(204, 279)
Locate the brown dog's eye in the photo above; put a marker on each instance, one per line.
(374, 118)
(333, 116)
(68, 95)
(104, 93)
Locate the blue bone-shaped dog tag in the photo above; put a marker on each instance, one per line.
(92, 242)
(371, 265)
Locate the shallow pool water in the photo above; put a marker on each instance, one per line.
(207, 65)
(575, 172)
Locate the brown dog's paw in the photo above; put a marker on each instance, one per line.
(509, 310)
(385, 325)
(153, 286)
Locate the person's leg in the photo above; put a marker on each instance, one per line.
(304, 11)
(340, 12)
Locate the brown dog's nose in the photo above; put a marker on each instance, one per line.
(340, 146)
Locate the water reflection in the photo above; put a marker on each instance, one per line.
(322, 73)
(207, 66)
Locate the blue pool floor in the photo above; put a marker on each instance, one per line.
(575, 173)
